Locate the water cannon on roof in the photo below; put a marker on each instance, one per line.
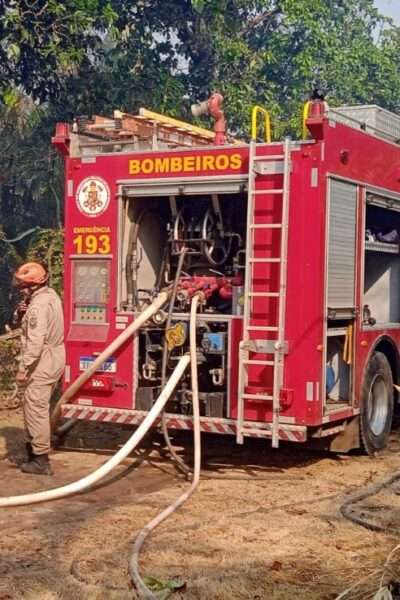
(213, 107)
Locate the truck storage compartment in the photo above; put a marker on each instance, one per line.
(156, 229)
(381, 301)
(338, 366)
(194, 244)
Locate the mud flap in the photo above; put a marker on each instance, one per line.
(348, 439)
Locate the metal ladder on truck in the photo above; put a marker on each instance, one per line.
(262, 345)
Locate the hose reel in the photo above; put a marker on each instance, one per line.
(203, 235)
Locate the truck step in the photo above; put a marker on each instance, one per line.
(265, 260)
(257, 397)
(269, 157)
(265, 225)
(264, 192)
(268, 363)
(261, 328)
(264, 294)
(259, 432)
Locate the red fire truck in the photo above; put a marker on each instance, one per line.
(294, 246)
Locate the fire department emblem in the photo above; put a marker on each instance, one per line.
(93, 196)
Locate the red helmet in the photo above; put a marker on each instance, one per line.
(30, 274)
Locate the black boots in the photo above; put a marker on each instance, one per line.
(25, 457)
(29, 452)
(38, 464)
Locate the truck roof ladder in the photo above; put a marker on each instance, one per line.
(277, 346)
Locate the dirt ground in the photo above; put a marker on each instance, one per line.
(268, 527)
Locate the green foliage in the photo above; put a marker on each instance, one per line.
(31, 190)
(42, 41)
(164, 588)
(9, 261)
(30, 169)
(9, 351)
(272, 52)
(255, 51)
(89, 56)
(46, 247)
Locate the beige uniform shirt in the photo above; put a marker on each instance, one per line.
(43, 351)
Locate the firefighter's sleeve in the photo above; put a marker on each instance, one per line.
(35, 336)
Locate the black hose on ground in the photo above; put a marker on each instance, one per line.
(372, 490)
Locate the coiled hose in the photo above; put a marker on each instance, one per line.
(346, 508)
(141, 587)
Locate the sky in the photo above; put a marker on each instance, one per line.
(390, 8)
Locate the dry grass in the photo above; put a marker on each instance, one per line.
(279, 538)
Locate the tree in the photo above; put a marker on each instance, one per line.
(167, 54)
(273, 51)
(30, 169)
(9, 260)
(30, 192)
(95, 55)
(43, 41)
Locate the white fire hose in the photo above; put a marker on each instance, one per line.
(103, 470)
(141, 587)
(136, 438)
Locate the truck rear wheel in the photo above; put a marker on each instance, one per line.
(376, 404)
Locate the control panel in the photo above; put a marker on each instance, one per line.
(91, 290)
(88, 313)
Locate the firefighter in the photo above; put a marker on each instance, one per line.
(42, 361)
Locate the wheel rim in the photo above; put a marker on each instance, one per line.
(179, 233)
(378, 403)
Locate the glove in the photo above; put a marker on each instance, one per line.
(22, 376)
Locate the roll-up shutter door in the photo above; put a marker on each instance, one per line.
(342, 244)
(184, 186)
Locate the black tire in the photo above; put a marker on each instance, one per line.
(376, 404)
